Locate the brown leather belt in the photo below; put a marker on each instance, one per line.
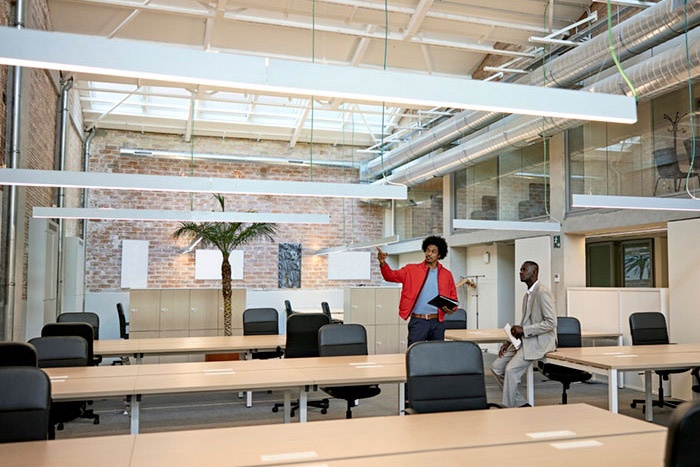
(416, 315)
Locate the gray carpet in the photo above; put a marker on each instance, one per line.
(224, 409)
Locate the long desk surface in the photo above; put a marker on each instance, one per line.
(609, 361)
(292, 375)
(474, 437)
(186, 345)
(497, 335)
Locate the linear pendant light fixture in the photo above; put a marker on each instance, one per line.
(506, 225)
(635, 202)
(115, 57)
(141, 182)
(181, 216)
(358, 245)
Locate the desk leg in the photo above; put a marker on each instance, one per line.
(647, 396)
(248, 394)
(620, 376)
(139, 358)
(531, 384)
(402, 399)
(612, 390)
(302, 405)
(135, 403)
(287, 406)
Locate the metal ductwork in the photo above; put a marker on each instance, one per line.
(643, 31)
(656, 76)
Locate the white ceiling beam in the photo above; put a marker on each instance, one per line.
(170, 183)
(417, 18)
(634, 3)
(300, 125)
(80, 53)
(179, 216)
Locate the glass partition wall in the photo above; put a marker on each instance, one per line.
(648, 158)
(513, 185)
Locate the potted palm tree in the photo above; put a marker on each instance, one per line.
(226, 236)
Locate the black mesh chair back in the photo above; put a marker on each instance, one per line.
(302, 334)
(123, 323)
(326, 308)
(60, 351)
(262, 321)
(457, 320)
(17, 354)
(83, 330)
(346, 339)
(682, 447)
(25, 402)
(93, 319)
(445, 376)
(568, 335)
(649, 328)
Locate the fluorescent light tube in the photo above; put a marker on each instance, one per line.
(635, 202)
(506, 225)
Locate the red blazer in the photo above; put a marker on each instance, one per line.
(412, 276)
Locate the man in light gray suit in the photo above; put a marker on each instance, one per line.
(537, 331)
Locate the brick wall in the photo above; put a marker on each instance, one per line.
(350, 219)
(4, 21)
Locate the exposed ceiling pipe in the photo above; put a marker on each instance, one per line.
(656, 76)
(160, 153)
(643, 31)
(10, 214)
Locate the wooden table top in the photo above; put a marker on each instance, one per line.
(476, 437)
(497, 335)
(379, 436)
(640, 450)
(186, 345)
(628, 361)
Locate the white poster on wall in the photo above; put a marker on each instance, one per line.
(208, 265)
(349, 265)
(134, 264)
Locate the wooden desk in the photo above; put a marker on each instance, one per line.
(186, 345)
(363, 440)
(497, 336)
(610, 361)
(294, 376)
(640, 450)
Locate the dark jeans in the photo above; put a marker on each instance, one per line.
(425, 330)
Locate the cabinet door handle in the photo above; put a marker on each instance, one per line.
(163, 310)
(194, 309)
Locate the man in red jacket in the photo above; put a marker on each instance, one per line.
(421, 283)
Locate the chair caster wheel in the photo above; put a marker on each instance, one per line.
(324, 411)
(275, 409)
(96, 422)
(633, 405)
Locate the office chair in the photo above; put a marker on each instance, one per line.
(327, 311)
(345, 339)
(64, 351)
(262, 321)
(302, 341)
(123, 323)
(83, 330)
(682, 447)
(17, 354)
(445, 376)
(666, 162)
(568, 335)
(93, 319)
(457, 320)
(648, 328)
(25, 402)
(288, 307)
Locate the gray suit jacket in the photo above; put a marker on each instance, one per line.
(539, 324)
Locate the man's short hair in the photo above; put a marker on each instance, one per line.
(439, 242)
(533, 265)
